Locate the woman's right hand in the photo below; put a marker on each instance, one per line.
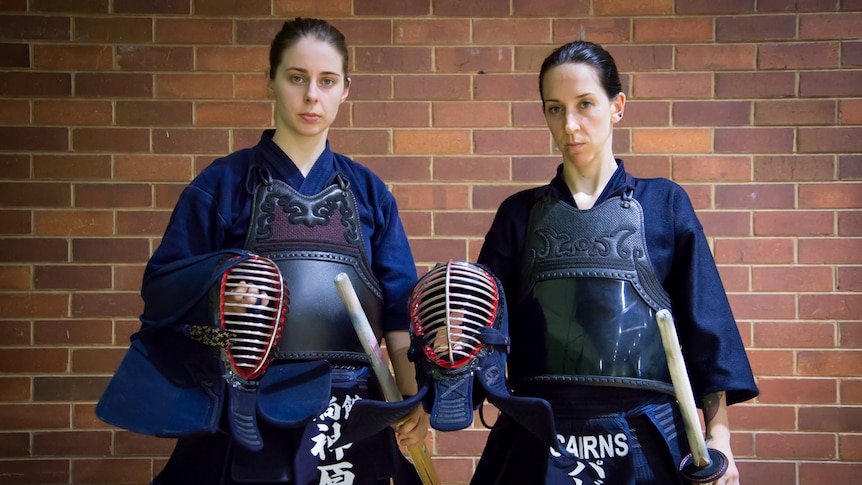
(413, 429)
(247, 295)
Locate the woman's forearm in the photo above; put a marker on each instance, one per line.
(397, 344)
(714, 408)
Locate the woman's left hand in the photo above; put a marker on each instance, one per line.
(718, 434)
(414, 428)
(731, 476)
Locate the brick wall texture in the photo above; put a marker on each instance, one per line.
(109, 107)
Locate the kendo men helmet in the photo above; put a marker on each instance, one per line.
(455, 325)
(459, 334)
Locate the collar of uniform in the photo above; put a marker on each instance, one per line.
(272, 157)
(620, 182)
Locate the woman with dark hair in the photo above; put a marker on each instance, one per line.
(315, 213)
(586, 262)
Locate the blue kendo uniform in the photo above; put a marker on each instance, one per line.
(338, 218)
(584, 287)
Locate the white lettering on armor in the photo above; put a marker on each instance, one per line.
(329, 430)
(338, 474)
(594, 447)
(622, 444)
(589, 447)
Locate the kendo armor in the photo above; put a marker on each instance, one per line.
(459, 328)
(587, 310)
(190, 354)
(459, 335)
(250, 333)
(181, 383)
(312, 239)
(454, 313)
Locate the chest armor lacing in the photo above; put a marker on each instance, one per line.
(312, 239)
(587, 312)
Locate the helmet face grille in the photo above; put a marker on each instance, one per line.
(448, 308)
(256, 327)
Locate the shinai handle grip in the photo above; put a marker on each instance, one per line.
(682, 388)
(418, 453)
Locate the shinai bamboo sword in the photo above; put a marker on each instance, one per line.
(418, 453)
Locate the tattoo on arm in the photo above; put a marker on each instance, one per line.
(710, 405)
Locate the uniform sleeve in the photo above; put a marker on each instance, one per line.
(504, 242)
(195, 228)
(204, 223)
(713, 349)
(392, 261)
(211, 214)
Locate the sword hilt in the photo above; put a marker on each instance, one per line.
(702, 465)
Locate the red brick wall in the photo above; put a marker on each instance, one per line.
(109, 107)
